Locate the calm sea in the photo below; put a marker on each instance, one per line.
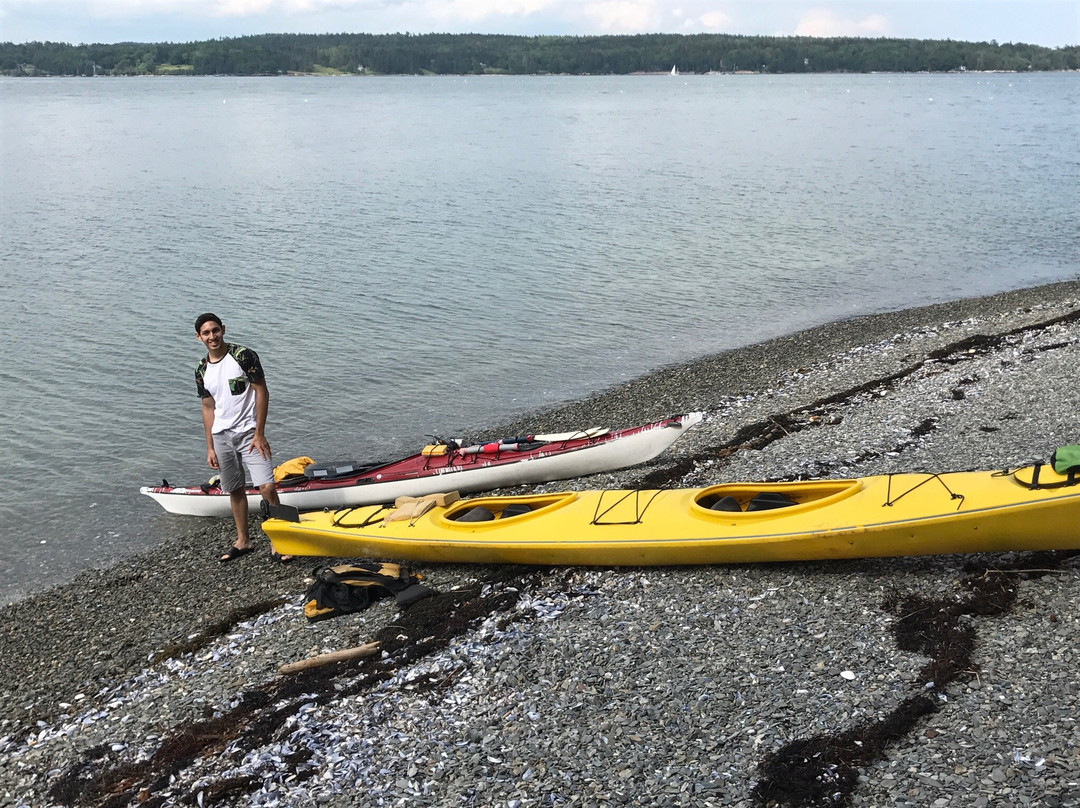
(414, 256)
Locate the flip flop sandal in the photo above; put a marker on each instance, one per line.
(235, 553)
(279, 558)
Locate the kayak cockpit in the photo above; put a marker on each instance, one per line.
(497, 510)
(749, 499)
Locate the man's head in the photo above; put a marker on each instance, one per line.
(203, 319)
(210, 332)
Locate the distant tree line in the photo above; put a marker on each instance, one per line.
(276, 54)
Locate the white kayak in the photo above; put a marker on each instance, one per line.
(479, 467)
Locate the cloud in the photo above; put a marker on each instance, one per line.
(120, 9)
(711, 22)
(251, 8)
(714, 20)
(477, 10)
(623, 16)
(240, 8)
(441, 11)
(822, 22)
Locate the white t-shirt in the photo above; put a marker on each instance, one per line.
(232, 410)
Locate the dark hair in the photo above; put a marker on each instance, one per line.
(203, 319)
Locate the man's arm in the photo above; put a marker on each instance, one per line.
(262, 406)
(208, 425)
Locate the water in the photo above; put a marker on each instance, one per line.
(413, 256)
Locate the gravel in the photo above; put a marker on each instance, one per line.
(156, 682)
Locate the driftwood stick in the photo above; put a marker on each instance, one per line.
(366, 650)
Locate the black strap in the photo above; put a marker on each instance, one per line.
(376, 515)
(1071, 478)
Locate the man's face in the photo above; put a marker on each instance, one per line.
(211, 335)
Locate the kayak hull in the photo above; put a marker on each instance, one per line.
(560, 457)
(894, 515)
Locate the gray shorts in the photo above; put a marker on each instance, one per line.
(234, 455)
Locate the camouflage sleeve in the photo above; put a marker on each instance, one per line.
(199, 387)
(250, 364)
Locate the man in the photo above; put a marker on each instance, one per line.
(235, 401)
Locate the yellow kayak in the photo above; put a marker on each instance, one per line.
(888, 515)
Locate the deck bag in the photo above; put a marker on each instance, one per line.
(1066, 459)
(410, 508)
(409, 511)
(349, 588)
(291, 468)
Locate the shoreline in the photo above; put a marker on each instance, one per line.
(983, 382)
(743, 370)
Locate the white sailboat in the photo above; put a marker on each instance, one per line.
(674, 72)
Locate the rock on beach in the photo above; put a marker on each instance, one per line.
(937, 681)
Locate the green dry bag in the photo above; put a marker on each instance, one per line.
(1066, 459)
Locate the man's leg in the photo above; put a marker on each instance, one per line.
(232, 480)
(239, 503)
(269, 493)
(261, 471)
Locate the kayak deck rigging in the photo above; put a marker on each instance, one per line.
(890, 500)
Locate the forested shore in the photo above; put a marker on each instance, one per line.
(479, 54)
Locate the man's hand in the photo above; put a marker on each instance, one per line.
(211, 458)
(260, 445)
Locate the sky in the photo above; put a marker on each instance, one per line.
(1052, 23)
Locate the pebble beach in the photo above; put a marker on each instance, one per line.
(932, 681)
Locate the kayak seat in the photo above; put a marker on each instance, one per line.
(769, 500)
(515, 509)
(477, 514)
(726, 504)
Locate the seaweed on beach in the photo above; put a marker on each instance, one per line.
(760, 434)
(216, 629)
(968, 347)
(823, 770)
(425, 627)
(819, 413)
